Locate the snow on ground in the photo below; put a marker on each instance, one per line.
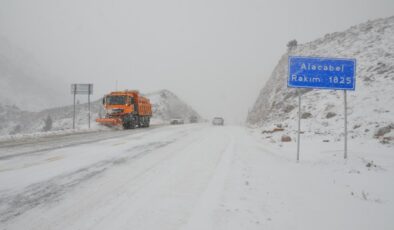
(199, 177)
(323, 190)
(21, 136)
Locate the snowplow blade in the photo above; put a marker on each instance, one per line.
(109, 121)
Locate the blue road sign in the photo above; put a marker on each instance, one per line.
(322, 73)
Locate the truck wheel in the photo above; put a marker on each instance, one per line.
(146, 122)
(132, 125)
(142, 122)
(126, 125)
(134, 122)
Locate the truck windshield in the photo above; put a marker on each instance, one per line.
(116, 100)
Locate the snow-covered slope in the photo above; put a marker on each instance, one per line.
(166, 105)
(15, 121)
(370, 106)
(10, 119)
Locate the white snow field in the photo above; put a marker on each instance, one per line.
(194, 176)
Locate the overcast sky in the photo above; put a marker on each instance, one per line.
(214, 54)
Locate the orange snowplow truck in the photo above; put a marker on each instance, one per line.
(126, 108)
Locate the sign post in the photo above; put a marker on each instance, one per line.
(89, 107)
(321, 73)
(299, 125)
(74, 90)
(345, 103)
(82, 89)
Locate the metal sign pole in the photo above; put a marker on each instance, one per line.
(344, 94)
(82, 89)
(299, 126)
(89, 105)
(322, 73)
(75, 92)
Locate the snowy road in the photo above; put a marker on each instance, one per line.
(181, 177)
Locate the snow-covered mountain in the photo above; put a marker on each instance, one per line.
(370, 106)
(166, 105)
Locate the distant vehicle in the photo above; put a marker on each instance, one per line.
(126, 108)
(177, 121)
(193, 119)
(218, 121)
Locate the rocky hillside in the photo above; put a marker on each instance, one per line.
(370, 106)
(166, 105)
